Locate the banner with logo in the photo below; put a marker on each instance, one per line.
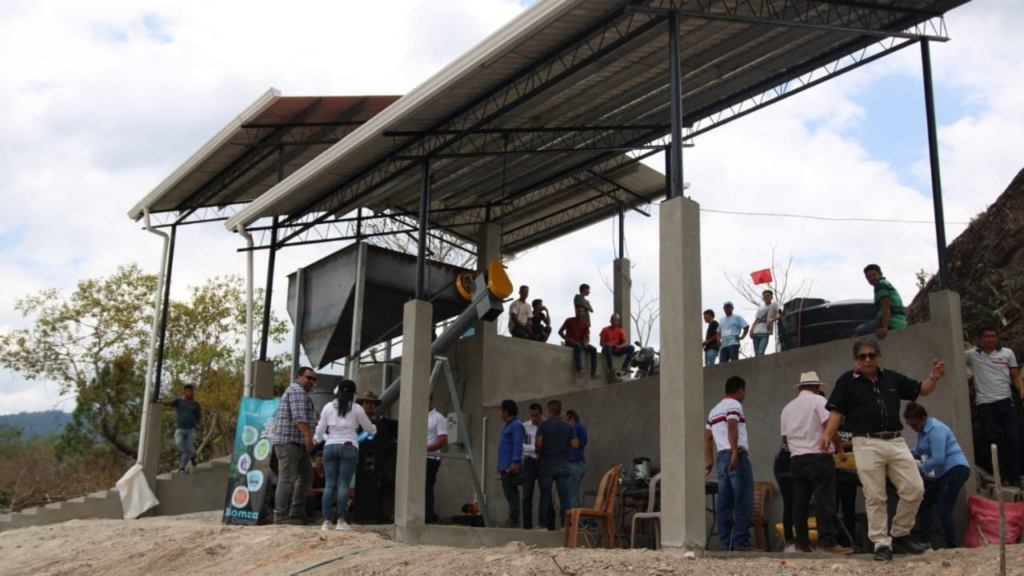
(250, 473)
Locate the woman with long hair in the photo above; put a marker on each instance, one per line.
(339, 424)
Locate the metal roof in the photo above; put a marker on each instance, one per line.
(545, 107)
(241, 161)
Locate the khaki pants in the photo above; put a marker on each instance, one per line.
(877, 459)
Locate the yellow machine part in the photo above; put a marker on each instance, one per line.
(497, 282)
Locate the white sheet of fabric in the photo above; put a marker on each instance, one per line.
(136, 496)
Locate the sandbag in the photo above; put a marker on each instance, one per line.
(136, 497)
(983, 526)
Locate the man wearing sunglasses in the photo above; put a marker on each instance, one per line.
(868, 398)
(293, 441)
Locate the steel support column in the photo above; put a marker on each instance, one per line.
(268, 291)
(421, 253)
(163, 315)
(622, 232)
(676, 93)
(933, 157)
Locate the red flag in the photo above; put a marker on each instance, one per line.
(761, 276)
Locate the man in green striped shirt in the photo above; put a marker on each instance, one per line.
(889, 312)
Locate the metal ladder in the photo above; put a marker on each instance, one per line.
(441, 363)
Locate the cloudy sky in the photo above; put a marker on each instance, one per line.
(103, 99)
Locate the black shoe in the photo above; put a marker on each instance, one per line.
(905, 545)
(883, 554)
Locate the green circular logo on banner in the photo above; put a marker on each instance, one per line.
(262, 450)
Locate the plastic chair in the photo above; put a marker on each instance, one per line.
(649, 515)
(604, 510)
(759, 520)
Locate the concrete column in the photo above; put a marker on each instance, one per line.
(488, 247)
(682, 380)
(151, 451)
(411, 473)
(623, 298)
(952, 393)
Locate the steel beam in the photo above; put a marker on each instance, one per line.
(421, 253)
(933, 159)
(163, 314)
(675, 150)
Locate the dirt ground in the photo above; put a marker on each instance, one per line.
(200, 545)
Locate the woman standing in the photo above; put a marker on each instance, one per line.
(946, 461)
(340, 421)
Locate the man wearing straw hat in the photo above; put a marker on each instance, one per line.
(369, 401)
(813, 472)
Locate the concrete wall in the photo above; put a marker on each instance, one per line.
(623, 418)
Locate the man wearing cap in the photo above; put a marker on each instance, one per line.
(369, 402)
(812, 472)
(869, 400)
(730, 329)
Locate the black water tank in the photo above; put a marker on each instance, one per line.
(809, 321)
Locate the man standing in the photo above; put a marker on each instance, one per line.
(764, 322)
(576, 333)
(555, 437)
(293, 442)
(519, 316)
(730, 334)
(531, 467)
(614, 343)
(577, 459)
(580, 301)
(369, 401)
(437, 438)
(995, 370)
(868, 398)
(812, 472)
(712, 339)
(889, 313)
(510, 459)
(727, 449)
(188, 412)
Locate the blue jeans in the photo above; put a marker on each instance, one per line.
(735, 501)
(866, 329)
(576, 472)
(340, 461)
(609, 351)
(185, 441)
(560, 476)
(729, 354)
(710, 356)
(760, 343)
(1000, 426)
(943, 492)
(577, 356)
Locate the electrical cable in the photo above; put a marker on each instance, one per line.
(342, 557)
(825, 218)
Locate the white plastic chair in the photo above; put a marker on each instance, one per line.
(652, 500)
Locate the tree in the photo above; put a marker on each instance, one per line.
(780, 284)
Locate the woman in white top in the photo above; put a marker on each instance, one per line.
(339, 423)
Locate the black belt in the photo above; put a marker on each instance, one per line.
(742, 451)
(878, 435)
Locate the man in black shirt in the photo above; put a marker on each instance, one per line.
(712, 339)
(555, 437)
(869, 400)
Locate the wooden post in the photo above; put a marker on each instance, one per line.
(1002, 510)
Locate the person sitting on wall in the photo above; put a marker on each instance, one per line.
(889, 312)
(614, 343)
(576, 333)
(940, 456)
(519, 316)
(540, 324)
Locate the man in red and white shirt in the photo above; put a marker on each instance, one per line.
(726, 448)
(813, 472)
(614, 343)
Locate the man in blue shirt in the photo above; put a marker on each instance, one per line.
(188, 412)
(733, 328)
(945, 461)
(577, 462)
(510, 459)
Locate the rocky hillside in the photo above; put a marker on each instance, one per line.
(986, 267)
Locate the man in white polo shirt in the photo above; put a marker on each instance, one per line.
(726, 448)
(437, 438)
(812, 472)
(995, 368)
